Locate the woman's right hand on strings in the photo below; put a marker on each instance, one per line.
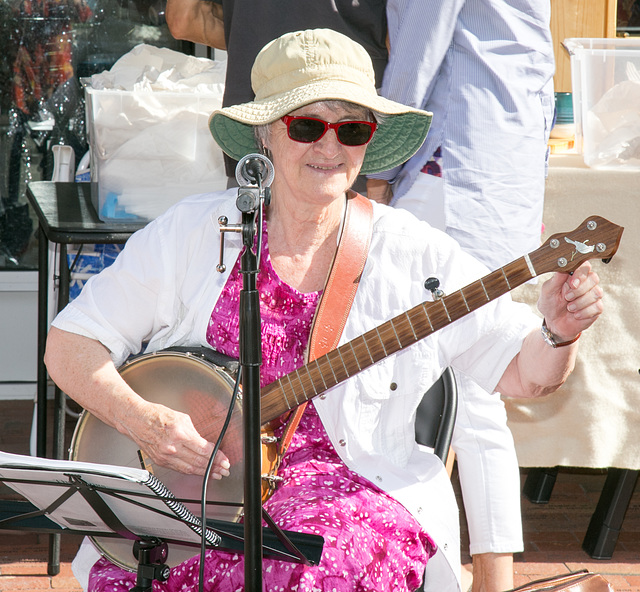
(83, 369)
(170, 439)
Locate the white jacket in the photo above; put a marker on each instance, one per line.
(161, 291)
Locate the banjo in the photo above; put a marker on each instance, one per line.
(203, 387)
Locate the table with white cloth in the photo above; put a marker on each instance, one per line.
(592, 421)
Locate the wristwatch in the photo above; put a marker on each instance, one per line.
(551, 339)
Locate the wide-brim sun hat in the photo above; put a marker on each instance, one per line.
(319, 65)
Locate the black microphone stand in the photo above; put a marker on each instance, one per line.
(249, 202)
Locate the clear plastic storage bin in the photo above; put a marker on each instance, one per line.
(149, 150)
(605, 79)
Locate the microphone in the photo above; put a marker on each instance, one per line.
(255, 169)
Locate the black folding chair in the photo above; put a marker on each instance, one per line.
(436, 415)
(436, 418)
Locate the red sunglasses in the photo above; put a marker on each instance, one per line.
(310, 129)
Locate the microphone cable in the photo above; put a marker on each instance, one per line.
(203, 498)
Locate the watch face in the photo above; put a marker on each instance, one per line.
(547, 336)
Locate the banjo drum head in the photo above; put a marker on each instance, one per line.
(185, 383)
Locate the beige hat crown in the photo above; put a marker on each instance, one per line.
(315, 58)
(318, 65)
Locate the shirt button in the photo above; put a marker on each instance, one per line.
(323, 397)
(342, 443)
(393, 386)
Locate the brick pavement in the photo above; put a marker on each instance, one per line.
(553, 531)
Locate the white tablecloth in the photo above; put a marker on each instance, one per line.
(594, 419)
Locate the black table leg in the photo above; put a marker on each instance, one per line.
(606, 521)
(539, 484)
(59, 412)
(53, 566)
(59, 408)
(43, 321)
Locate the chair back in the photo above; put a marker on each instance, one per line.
(436, 415)
(436, 418)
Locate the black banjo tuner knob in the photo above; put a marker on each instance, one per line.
(433, 285)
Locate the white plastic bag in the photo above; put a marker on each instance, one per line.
(148, 131)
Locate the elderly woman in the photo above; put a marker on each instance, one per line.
(353, 471)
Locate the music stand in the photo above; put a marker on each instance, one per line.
(108, 501)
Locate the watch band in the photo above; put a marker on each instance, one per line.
(551, 339)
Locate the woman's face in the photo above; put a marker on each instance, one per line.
(319, 171)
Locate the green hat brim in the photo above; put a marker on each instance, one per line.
(395, 141)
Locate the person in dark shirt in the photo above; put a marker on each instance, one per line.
(244, 27)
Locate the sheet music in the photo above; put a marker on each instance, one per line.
(137, 498)
(25, 462)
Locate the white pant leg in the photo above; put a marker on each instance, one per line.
(488, 470)
(487, 463)
(83, 562)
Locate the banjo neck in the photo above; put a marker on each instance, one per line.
(595, 237)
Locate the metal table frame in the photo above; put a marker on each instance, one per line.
(66, 216)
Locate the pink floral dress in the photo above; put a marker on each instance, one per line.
(371, 542)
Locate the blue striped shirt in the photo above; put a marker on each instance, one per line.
(485, 69)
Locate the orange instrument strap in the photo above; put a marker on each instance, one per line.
(340, 290)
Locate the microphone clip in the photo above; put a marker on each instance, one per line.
(248, 199)
(254, 174)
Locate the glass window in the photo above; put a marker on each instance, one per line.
(628, 17)
(46, 46)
